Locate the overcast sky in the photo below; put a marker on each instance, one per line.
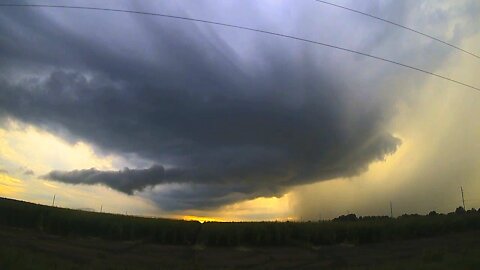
(184, 119)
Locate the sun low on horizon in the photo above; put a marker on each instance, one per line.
(239, 114)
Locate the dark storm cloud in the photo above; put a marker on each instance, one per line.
(222, 123)
(177, 192)
(126, 180)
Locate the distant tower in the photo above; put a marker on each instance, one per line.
(463, 200)
(391, 210)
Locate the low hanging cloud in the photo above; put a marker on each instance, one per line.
(125, 180)
(222, 121)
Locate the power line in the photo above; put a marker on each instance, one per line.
(398, 25)
(247, 29)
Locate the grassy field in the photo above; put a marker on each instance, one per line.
(21, 249)
(41, 237)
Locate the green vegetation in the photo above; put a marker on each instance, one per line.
(68, 222)
(28, 249)
(345, 229)
(42, 237)
(359, 231)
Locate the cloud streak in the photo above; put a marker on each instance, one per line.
(125, 180)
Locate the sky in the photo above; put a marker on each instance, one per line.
(159, 117)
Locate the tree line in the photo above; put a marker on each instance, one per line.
(344, 229)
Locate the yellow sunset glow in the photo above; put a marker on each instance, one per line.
(41, 151)
(10, 186)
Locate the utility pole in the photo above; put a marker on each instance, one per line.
(101, 208)
(53, 202)
(391, 210)
(463, 200)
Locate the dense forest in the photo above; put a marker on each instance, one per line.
(344, 229)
